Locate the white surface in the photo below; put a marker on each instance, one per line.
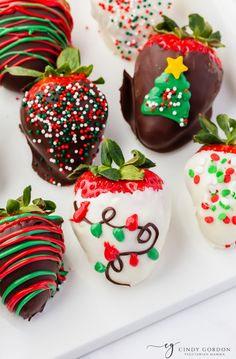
(86, 313)
(200, 327)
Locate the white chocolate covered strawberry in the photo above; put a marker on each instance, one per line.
(121, 215)
(127, 24)
(211, 180)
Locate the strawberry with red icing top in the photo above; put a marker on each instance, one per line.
(121, 214)
(195, 44)
(211, 180)
(63, 117)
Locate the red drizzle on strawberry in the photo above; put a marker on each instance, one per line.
(92, 186)
(184, 46)
(31, 261)
(33, 33)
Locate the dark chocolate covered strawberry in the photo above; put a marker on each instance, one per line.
(31, 250)
(33, 33)
(211, 179)
(63, 117)
(177, 76)
(121, 215)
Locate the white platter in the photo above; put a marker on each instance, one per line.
(86, 314)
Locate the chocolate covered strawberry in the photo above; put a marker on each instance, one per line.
(177, 76)
(31, 251)
(211, 180)
(63, 117)
(121, 215)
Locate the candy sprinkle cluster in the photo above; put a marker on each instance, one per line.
(66, 120)
(220, 198)
(130, 22)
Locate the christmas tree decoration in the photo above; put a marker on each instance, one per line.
(171, 95)
(176, 66)
(190, 52)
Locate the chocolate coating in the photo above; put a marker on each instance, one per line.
(29, 37)
(155, 132)
(37, 303)
(77, 132)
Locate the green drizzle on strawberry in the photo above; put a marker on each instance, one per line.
(31, 254)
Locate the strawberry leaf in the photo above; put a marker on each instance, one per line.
(110, 173)
(224, 124)
(197, 28)
(50, 206)
(206, 138)
(207, 30)
(168, 25)
(132, 173)
(21, 71)
(214, 40)
(115, 152)
(132, 170)
(208, 125)
(79, 171)
(137, 160)
(148, 164)
(105, 154)
(87, 70)
(99, 81)
(94, 170)
(71, 57)
(49, 71)
(231, 140)
(12, 206)
(26, 196)
(64, 69)
(196, 24)
(23, 205)
(232, 123)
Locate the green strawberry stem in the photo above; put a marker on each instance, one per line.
(68, 63)
(209, 134)
(23, 205)
(111, 152)
(197, 29)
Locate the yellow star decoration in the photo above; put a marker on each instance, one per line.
(175, 66)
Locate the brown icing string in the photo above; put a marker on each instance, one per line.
(113, 264)
(150, 229)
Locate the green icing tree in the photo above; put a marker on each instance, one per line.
(169, 98)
